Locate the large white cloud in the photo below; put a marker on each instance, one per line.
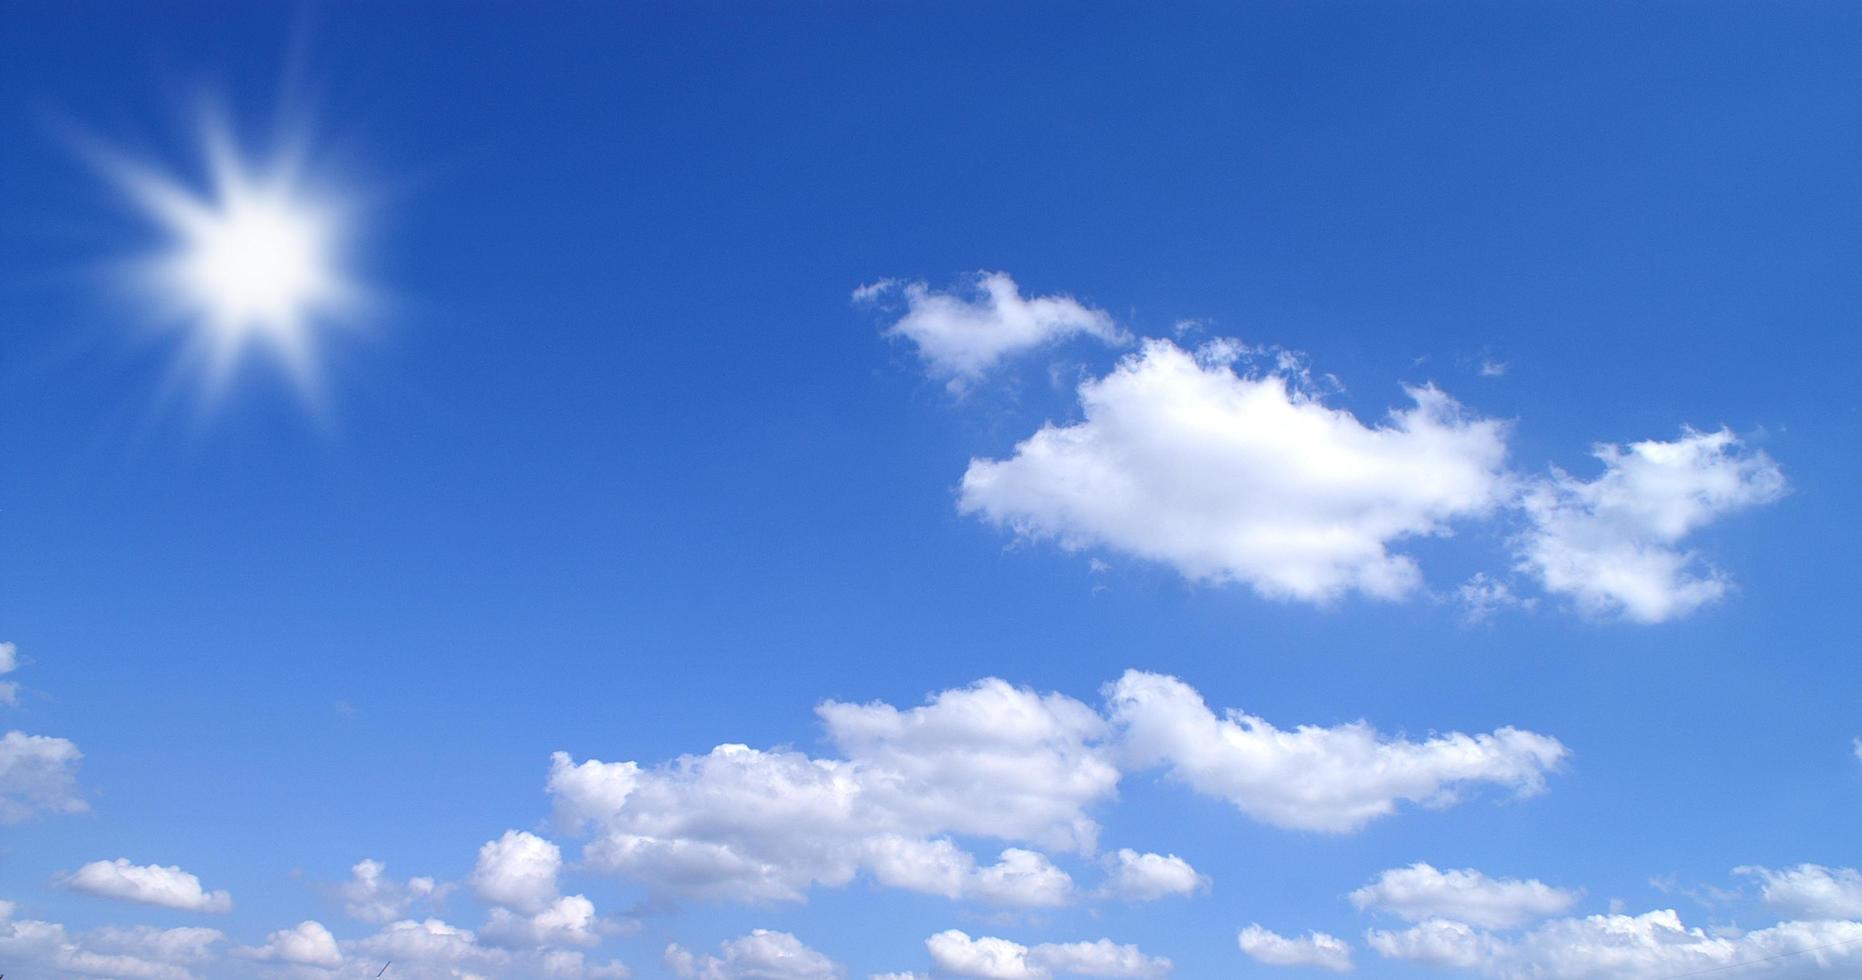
(1330, 779)
(990, 760)
(38, 774)
(761, 955)
(1421, 892)
(518, 870)
(153, 884)
(1811, 890)
(961, 336)
(955, 953)
(1245, 478)
(31, 947)
(1613, 544)
(1651, 946)
(1004, 763)
(1315, 949)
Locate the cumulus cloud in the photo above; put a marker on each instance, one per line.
(1613, 544)
(961, 335)
(518, 870)
(1811, 890)
(761, 955)
(371, 896)
(1315, 949)
(954, 953)
(568, 921)
(1333, 779)
(990, 760)
(153, 884)
(306, 944)
(432, 949)
(1651, 946)
(38, 774)
(1421, 892)
(35, 948)
(1137, 877)
(1246, 478)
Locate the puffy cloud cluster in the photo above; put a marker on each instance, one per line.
(306, 944)
(152, 884)
(1315, 949)
(955, 954)
(1651, 946)
(1005, 763)
(432, 949)
(1613, 544)
(1333, 779)
(960, 336)
(35, 948)
(517, 875)
(1244, 478)
(1421, 892)
(371, 896)
(761, 955)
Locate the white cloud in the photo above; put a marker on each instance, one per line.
(429, 948)
(1421, 892)
(1811, 890)
(1315, 949)
(34, 948)
(1614, 543)
(369, 895)
(1331, 779)
(1482, 597)
(9, 662)
(1241, 478)
(990, 760)
(38, 774)
(1137, 877)
(1652, 946)
(955, 953)
(306, 944)
(568, 921)
(153, 884)
(962, 336)
(518, 870)
(761, 955)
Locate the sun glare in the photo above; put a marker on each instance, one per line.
(250, 261)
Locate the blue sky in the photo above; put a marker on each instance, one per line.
(1470, 384)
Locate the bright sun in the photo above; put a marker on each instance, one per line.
(253, 262)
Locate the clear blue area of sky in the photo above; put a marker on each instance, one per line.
(620, 470)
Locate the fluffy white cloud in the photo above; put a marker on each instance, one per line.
(990, 760)
(955, 953)
(1811, 890)
(961, 336)
(1330, 779)
(369, 895)
(761, 955)
(1137, 877)
(1421, 892)
(38, 774)
(430, 948)
(939, 867)
(1652, 946)
(1244, 478)
(1613, 543)
(152, 884)
(568, 921)
(34, 948)
(1315, 949)
(306, 944)
(518, 870)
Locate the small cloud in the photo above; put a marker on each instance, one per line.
(1493, 369)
